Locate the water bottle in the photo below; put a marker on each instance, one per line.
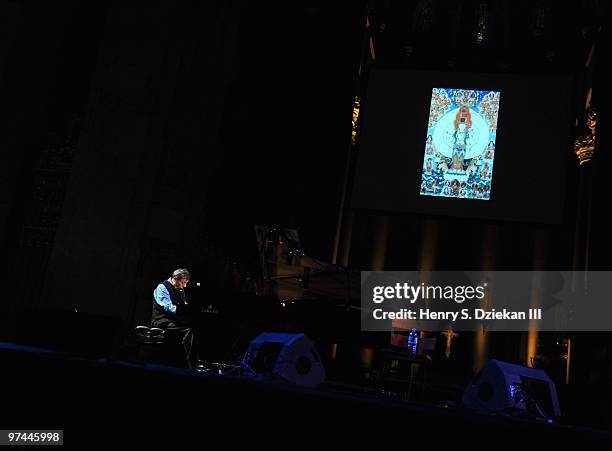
(413, 341)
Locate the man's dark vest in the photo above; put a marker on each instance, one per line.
(163, 319)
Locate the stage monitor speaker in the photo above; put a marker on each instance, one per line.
(504, 387)
(291, 357)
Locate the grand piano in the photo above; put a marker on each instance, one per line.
(288, 291)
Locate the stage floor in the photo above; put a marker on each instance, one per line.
(98, 400)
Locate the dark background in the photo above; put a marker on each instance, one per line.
(135, 139)
(533, 128)
(140, 139)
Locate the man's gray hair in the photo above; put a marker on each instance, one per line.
(181, 273)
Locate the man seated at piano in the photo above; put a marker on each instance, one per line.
(172, 311)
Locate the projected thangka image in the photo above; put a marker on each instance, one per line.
(460, 144)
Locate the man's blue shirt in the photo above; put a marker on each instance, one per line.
(162, 297)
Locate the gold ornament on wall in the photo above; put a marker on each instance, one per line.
(356, 108)
(584, 146)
